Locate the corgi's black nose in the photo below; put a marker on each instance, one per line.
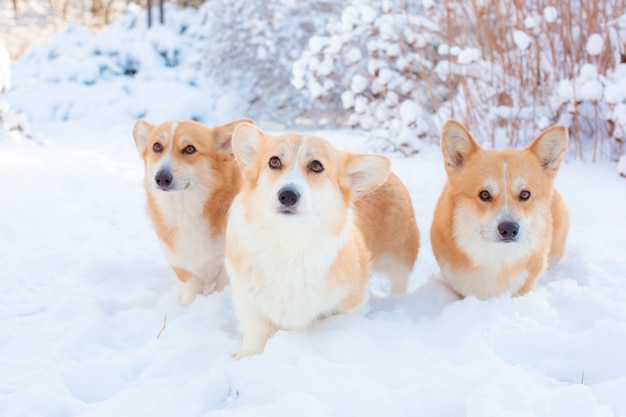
(508, 230)
(288, 197)
(164, 179)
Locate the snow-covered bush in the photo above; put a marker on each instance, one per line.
(12, 125)
(251, 46)
(378, 59)
(5, 69)
(506, 70)
(124, 72)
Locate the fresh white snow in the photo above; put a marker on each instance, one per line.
(522, 40)
(550, 14)
(468, 55)
(85, 289)
(594, 44)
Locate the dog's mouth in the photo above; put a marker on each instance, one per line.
(507, 240)
(175, 186)
(287, 211)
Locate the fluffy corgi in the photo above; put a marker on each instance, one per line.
(304, 231)
(499, 223)
(190, 181)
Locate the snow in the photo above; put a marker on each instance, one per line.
(522, 40)
(354, 55)
(85, 288)
(359, 84)
(409, 112)
(350, 17)
(591, 90)
(621, 166)
(530, 23)
(550, 14)
(317, 43)
(594, 44)
(565, 90)
(368, 14)
(443, 49)
(5, 69)
(347, 99)
(467, 55)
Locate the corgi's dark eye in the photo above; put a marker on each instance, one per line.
(484, 195)
(524, 195)
(274, 162)
(157, 147)
(189, 150)
(316, 166)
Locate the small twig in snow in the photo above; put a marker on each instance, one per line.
(164, 325)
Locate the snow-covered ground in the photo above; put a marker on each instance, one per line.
(85, 289)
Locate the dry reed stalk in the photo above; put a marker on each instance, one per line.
(526, 82)
(164, 325)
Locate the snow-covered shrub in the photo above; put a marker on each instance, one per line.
(378, 59)
(5, 69)
(621, 166)
(12, 125)
(122, 73)
(506, 70)
(250, 49)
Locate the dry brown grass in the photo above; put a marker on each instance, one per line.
(529, 77)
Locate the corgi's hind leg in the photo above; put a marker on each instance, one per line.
(396, 272)
(220, 280)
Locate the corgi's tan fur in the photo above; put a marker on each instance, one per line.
(190, 181)
(304, 231)
(499, 223)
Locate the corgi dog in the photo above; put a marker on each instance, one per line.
(499, 223)
(306, 229)
(190, 181)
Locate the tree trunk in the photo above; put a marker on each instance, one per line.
(149, 13)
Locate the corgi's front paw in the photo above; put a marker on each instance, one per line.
(250, 346)
(189, 291)
(187, 298)
(243, 352)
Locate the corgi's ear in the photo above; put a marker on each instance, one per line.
(365, 173)
(224, 134)
(457, 145)
(550, 147)
(246, 141)
(141, 133)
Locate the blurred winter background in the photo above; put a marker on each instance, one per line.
(395, 69)
(84, 287)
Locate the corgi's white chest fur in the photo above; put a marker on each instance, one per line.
(194, 247)
(484, 282)
(284, 263)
